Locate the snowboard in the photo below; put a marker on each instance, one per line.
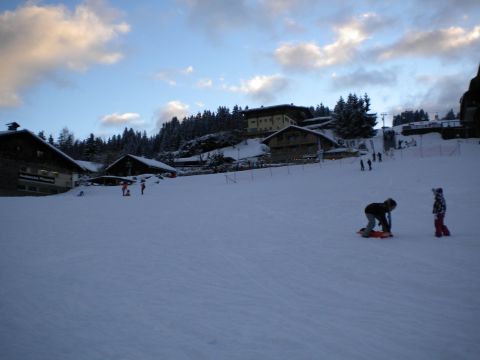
(376, 234)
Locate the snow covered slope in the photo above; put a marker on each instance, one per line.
(268, 267)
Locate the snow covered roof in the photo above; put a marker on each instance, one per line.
(320, 125)
(249, 148)
(38, 138)
(302, 129)
(319, 118)
(149, 162)
(90, 166)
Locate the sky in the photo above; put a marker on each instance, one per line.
(100, 66)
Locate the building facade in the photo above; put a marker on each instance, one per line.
(131, 165)
(266, 120)
(31, 166)
(297, 144)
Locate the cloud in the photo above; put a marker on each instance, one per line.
(435, 13)
(166, 77)
(218, 16)
(437, 43)
(117, 119)
(36, 41)
(172, 109)
(310, 56)
(293, 26)
(443, 92)
(278, 7)
(362, 77)
(262, 87)
(187, 70)
(204, 83)
(169, 76)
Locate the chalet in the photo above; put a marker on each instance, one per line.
(31, 166)
(266, 120)
(131, 165)
(470, 107)
(294, 143)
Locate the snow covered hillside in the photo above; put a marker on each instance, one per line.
(267, 267)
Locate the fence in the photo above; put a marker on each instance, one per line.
(271, 170)
(430, 151)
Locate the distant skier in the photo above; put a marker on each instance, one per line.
(380, 212)
(142, 186)
(439, 210)
(369, 162)
(379, 157)
(373, 157)
(362, 166)
(124, 188)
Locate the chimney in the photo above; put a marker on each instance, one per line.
(13, 126)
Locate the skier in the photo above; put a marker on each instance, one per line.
(439, 209)
(373, 157)
(369, 162)
(380, 212)
(379, 157)
(142, 186)
(362, 167)
(124, 188)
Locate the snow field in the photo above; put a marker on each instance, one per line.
(269, 267)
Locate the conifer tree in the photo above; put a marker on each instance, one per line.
(352, 117)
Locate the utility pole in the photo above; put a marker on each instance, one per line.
(383, 119)
(383, 130)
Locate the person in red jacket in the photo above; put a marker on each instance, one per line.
(380, 212)
(124, 188)
(439, 210)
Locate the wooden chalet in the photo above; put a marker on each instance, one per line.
(297, 144)
(267, 120)
(131, 165)
(31, 166)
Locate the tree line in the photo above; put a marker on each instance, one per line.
(352, 120)
(172, 135)
(410, 116)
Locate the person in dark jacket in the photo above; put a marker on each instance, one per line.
(439, 210)
(380, 212)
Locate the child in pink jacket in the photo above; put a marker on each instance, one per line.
(439, 210)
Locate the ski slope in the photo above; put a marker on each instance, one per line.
(267, 267)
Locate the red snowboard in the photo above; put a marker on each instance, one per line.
(376, 234)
